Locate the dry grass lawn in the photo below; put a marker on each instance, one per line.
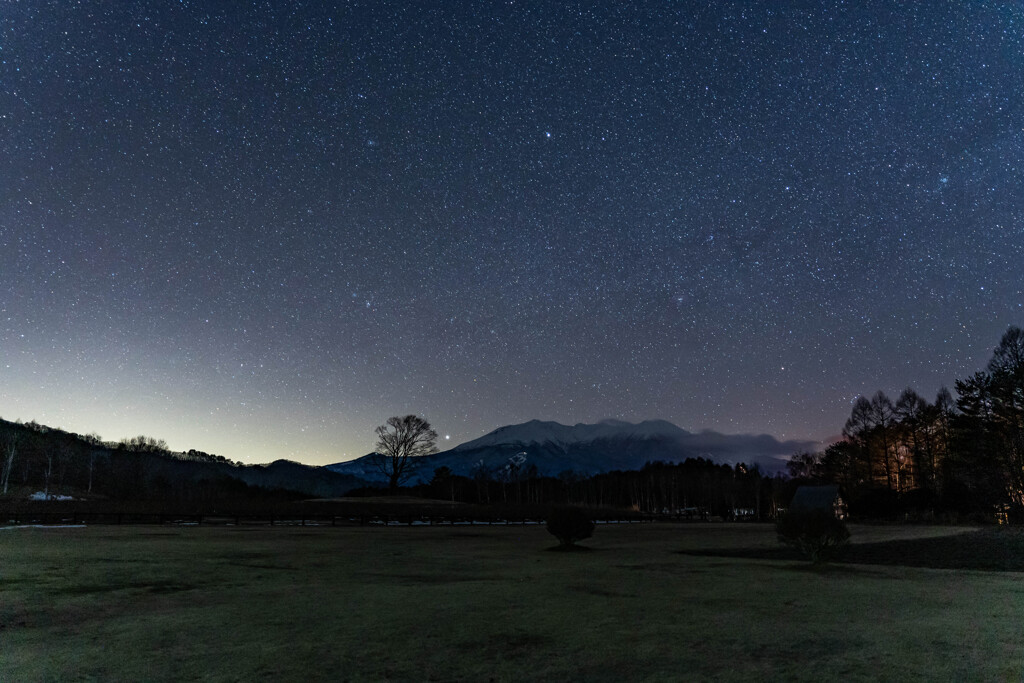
(486, 603)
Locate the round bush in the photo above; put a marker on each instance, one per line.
(569, 525)
(818, 534)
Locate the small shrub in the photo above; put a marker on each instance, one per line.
(816, 533)
(569, 525)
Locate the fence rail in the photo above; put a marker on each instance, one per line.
(125, 518)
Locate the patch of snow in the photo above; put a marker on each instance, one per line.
(40, 495)
(538, 432)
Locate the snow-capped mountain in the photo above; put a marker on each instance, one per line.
(538, 432)
(589, 449)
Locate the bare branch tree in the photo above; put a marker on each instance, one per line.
(9, 442)
(399, 441)
(95, 451)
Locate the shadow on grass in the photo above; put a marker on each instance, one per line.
(834, 568)
(156, 587)
(999, 550)
(569, 549)
(425, 579)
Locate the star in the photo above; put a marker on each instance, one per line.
(363, 213)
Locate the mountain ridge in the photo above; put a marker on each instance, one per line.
(587, 449)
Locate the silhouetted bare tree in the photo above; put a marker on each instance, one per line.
(399, 441)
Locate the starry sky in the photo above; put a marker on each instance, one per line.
(261, 229)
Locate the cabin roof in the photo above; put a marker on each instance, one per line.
(814, 498)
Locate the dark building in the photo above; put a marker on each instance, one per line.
(809, 498)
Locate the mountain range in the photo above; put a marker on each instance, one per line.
(588, 449)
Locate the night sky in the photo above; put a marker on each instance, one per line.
(261, 229)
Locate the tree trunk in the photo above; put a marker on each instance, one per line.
(49, 471)
(9, 465)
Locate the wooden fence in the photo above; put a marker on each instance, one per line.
(94, 518)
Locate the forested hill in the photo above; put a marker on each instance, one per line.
(36, 458)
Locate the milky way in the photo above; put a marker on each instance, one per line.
(260, 229)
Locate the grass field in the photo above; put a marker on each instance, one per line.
(489, 603)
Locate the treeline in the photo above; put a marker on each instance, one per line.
(951, 456)
(949, 459)
(38, 459)
(697, 488)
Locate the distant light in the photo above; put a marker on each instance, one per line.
(447, 436)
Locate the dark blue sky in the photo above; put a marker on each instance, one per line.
(260, 229)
